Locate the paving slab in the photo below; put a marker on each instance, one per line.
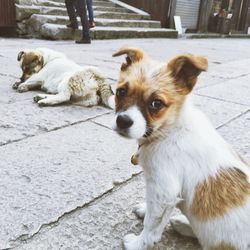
(24, 119)
(235, 90)
(237, 134)
(103, 224)
(46, 176)
(8, 95)
(231, 70)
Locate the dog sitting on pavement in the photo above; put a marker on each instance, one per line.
(62, 79)
(186, 162)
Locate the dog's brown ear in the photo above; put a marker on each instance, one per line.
(20, 55)
(133, 55)
(185, 69)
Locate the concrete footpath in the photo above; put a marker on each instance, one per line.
(66, 178)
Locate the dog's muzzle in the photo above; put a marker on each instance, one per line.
(131, 123)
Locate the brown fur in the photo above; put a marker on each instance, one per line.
(169, 84)
(133, 55)
(218, 195)
(185, 69)
(223, 246)
(31, 63)
(140, 94)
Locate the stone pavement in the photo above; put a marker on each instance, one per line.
(66, 177)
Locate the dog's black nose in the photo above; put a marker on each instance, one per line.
(124, 122)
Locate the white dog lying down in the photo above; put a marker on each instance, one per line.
(62, 79)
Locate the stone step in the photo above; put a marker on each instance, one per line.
(96, 6)
(62, 1)
(95, 2)
(24, 12)
(111, 9)
(60, 32)
(36, 21)
(127, 23)
(104, 3)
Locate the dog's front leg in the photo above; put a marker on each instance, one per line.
(32, 83)
(161, 201)
(51, 100)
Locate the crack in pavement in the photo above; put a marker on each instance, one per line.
(233, 119)
(25, 238)
(223, 100)
(54, 129)
(9, 75)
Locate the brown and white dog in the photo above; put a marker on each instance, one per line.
(185, 161)
(62, 79)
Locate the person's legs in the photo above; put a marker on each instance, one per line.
(72, 14)
(90, 10)
(91, 13)
(81, 9)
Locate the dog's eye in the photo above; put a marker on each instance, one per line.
(156, 104)
(26, 67)
(121, 92)
(34, 61)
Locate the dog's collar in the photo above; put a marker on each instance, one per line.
(134, 157)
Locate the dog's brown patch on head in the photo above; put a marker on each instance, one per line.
(219, 194)
(223, 246)
(133, 55)
(32, 62)
(185, 69)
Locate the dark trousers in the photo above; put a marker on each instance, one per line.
(80, 6)
(90, 10)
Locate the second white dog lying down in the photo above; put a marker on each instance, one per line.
(62, 79)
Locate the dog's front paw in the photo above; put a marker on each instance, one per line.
(37, 98)
(140, 210)
(133, 242)
(42, 103)
(15, 85)
(22, 88)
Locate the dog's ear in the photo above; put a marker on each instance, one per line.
(20, 55)
(185, 69)
(133, 55)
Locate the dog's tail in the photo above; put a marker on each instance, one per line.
(106, 93)
(104, 89)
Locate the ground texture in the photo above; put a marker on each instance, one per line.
(66, 177)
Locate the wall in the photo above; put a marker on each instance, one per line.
(7, 13)
(158, 9)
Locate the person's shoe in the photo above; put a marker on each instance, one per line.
(91, 24)
(72, 26)
(83, 40)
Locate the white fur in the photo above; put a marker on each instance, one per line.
(189, 152)
(138, 129)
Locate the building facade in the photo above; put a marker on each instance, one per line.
(199, 15)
